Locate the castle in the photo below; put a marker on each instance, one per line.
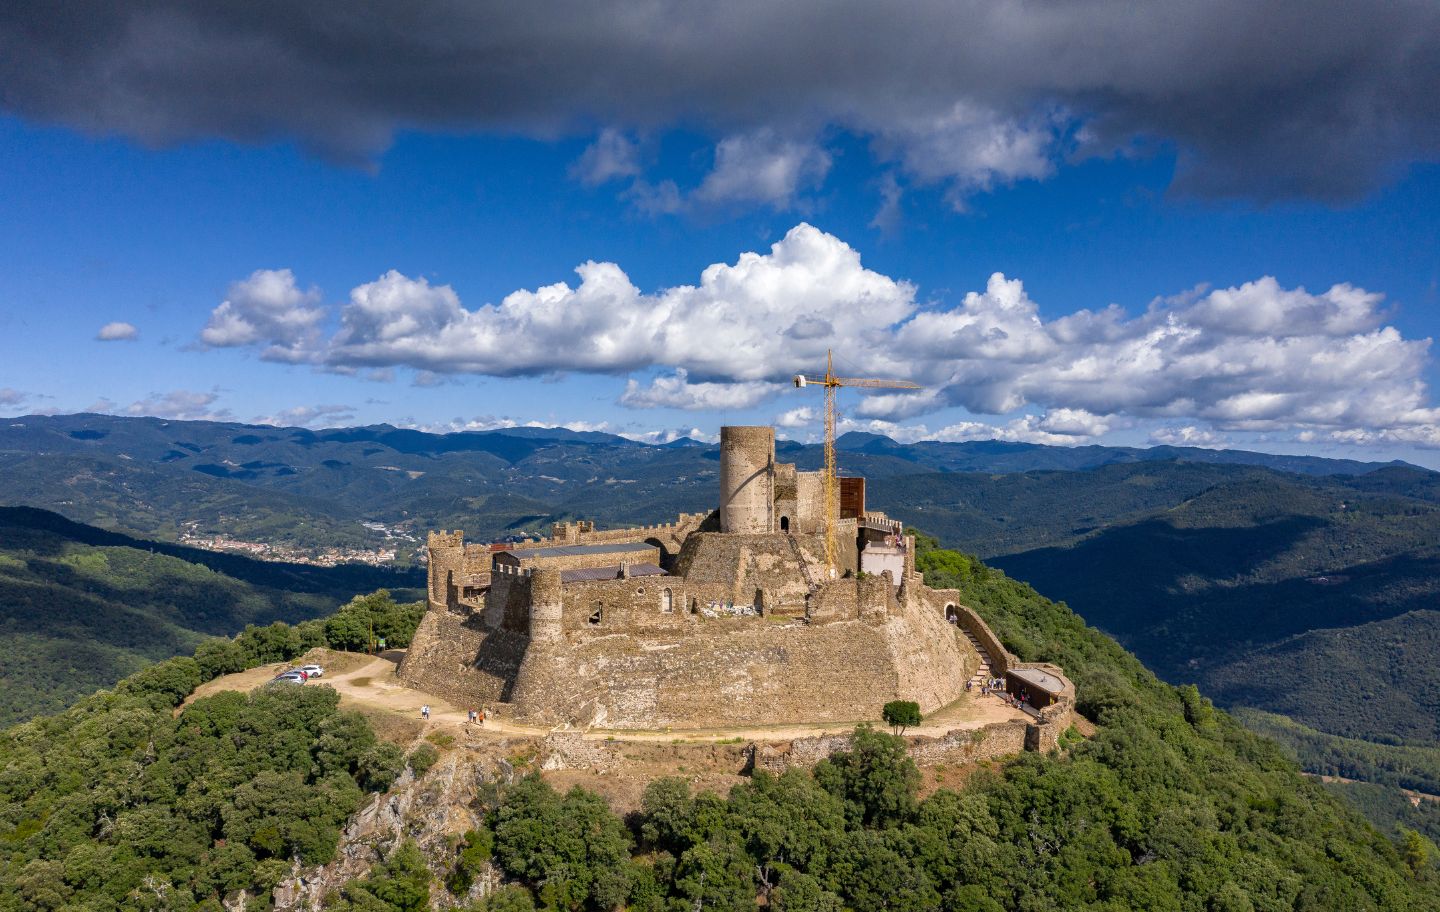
(718, 620)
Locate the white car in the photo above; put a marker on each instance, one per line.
(312, 671)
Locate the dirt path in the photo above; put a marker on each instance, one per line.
(368, 683)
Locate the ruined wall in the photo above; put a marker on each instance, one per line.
(810, 501)
(507, 602)
(932, 661)
(736, 567)
(456, 657)
(748, 672)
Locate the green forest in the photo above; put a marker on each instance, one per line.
(119, 803)
(81, 607)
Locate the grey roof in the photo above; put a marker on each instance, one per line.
(1037, 678)
(605, 573)
(571, 550)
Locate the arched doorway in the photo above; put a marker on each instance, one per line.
(759, 601)
(952, 614)
(667, 601)
(784, 524)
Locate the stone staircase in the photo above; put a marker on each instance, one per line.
(983, 673)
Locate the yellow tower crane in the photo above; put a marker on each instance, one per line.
(832, 482)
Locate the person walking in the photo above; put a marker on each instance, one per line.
(425, 712)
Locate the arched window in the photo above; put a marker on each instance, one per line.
(952, 614)
(667, 601)
(694, 606)
(784, 524)
(597, 615)
(759, 601)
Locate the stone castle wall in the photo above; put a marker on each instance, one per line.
(734, 672)
(456, 657)
(528, 559)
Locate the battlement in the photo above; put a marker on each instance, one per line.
(445, 539)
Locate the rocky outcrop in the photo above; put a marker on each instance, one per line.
(434, 811)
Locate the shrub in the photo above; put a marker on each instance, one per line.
(422, 758)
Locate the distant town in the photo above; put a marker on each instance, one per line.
(190, 534)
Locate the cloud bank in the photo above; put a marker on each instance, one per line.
(1289, 98)
(1255, 357)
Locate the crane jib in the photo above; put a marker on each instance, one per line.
(832, 499)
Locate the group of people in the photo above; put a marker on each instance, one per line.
(472, 717)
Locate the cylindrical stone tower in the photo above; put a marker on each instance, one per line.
(546, 606)
(747, 479)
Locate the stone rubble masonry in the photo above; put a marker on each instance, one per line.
(958, 747)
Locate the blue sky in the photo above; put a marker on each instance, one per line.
(1270, 295)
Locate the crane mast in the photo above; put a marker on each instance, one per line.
(831, 479)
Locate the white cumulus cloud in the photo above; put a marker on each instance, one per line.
(1188, 435)
(268, 309)
(117, 332)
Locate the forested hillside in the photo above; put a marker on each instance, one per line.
(1170, 806)
(81, 608)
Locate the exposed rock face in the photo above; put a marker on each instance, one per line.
(434, 811)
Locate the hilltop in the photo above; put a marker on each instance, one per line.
(1168, 805)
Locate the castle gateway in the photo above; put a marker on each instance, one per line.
(721, 619)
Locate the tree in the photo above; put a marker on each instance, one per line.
(573, 849)
(401, 883)
(380, 766)
(348, 630)
(1416, 852)
(901, 714)
(471, 859)
(876, 778)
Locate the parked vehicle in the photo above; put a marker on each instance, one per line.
(288, 679)
(312, 671)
